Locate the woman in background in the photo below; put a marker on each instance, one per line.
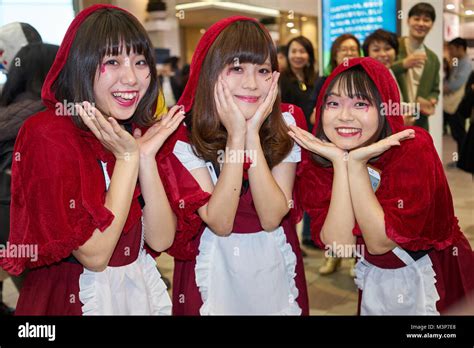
(20, 98)
(382, 45)
(297, 85)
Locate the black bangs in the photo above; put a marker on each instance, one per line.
(113, 30)
(355, 83)
(250, 45)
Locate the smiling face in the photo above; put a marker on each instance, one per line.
(383, 52)
(297, 56)
(419, 26)
(348, 122)
(249, 84)
(348, 49)
(120, 83)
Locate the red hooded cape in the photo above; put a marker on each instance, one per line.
(58, 189)
(413, 192)
(183, 248)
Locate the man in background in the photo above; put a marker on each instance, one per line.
(417, 67)
(454, 89)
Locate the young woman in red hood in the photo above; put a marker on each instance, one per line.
(244, 258)
(75, 196)
(377, 188)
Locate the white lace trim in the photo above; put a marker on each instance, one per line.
(408, 290)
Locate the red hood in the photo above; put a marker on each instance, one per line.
(47, 93)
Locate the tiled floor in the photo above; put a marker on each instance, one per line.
(336, 294)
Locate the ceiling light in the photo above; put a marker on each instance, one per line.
(228, 6)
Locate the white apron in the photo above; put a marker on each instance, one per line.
(247, 274)
(408, 290)
(133, 289)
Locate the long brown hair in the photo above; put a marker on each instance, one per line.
(308, 71)
(103, 33)
(249, 43)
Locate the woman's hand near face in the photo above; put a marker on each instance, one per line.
(264, 110)
(310, 142)
(229, 113)
(108, 131)
(154, 138)
(364, 154)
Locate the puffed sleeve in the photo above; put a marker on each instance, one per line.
(183, 192)
(58, 198)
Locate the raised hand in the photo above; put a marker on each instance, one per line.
(414, 60)
(229, 113)
(364, 154)
(108, 131)
(317, 146)
(264, 110)
(156, 135)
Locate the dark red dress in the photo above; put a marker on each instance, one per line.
(59, 183)
(58, 196)
(431, 268)
(248, 272)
